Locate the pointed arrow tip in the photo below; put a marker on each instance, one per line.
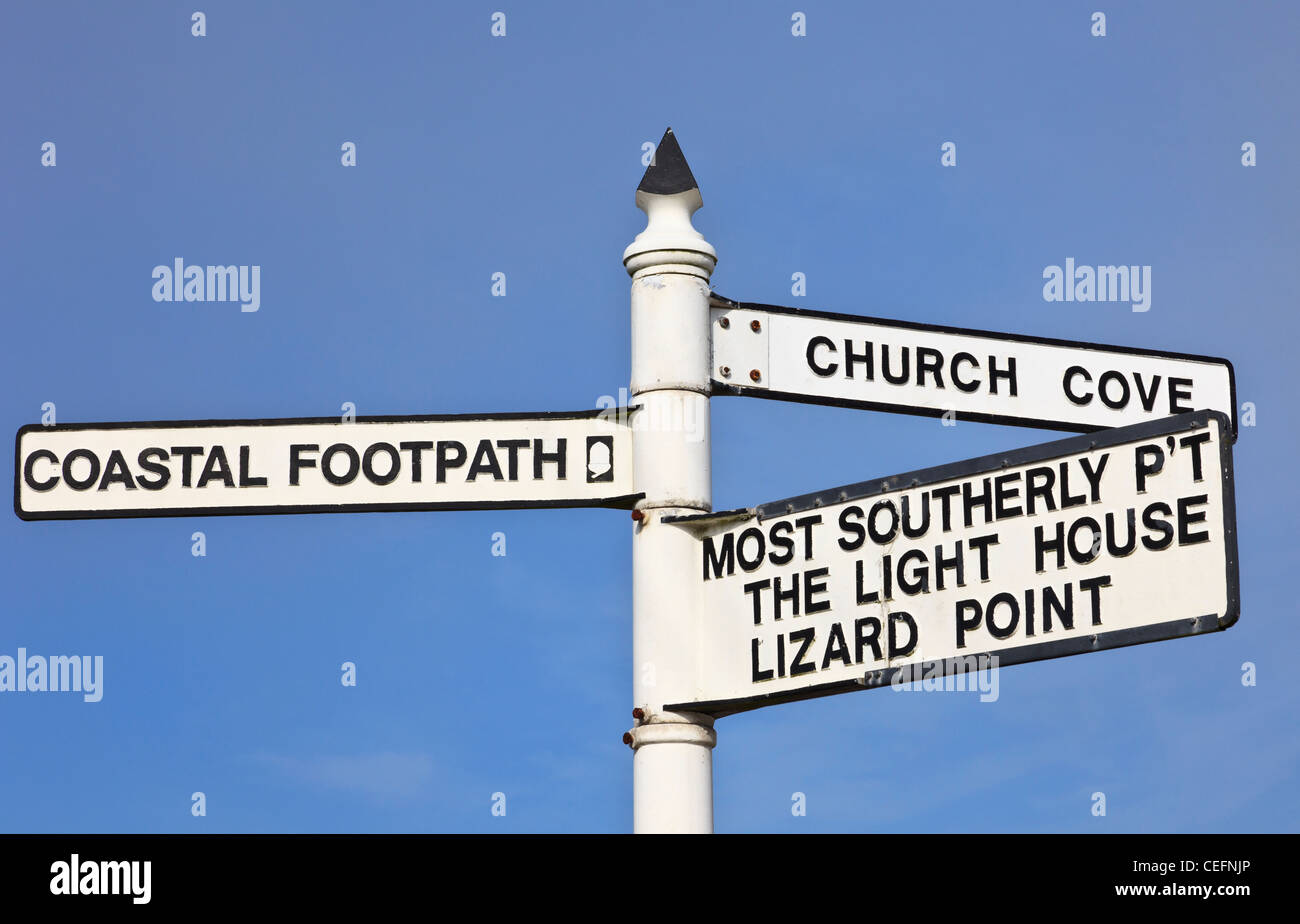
(668, 173)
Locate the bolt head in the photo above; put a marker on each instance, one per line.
(627, 738)
(638, 713)
(724, 323)
(755, 326)
(638, 515)
(755, 375)
(726, 372)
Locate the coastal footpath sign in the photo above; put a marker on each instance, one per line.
(322, 465)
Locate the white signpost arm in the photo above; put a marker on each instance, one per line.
(670, 264)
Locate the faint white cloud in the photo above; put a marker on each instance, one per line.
(386, 775)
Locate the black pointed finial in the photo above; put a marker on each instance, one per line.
(668, 173)
(669, 197)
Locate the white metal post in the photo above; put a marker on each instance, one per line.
(670, 264)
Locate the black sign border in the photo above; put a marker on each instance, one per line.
(728, 388)
(1040, 651)
(620, 502)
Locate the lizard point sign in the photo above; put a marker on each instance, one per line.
(1086, 543)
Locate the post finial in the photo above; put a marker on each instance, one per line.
(669, 196)
(668, 172)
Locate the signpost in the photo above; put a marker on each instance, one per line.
(1093, 542)
(1079, 545)
(323, 465)
(822, 358)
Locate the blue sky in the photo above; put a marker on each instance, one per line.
(481, 674)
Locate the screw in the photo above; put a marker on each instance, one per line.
(638, 713)
(726, 372)
(638, 515)
(627, 738)
(755, 375)
(724, 323)
(755, 326)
